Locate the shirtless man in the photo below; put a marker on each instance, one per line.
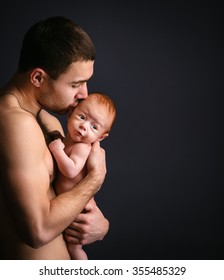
(56, 61)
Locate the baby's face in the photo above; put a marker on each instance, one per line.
(89, 122)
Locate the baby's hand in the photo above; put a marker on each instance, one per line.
(56, 145)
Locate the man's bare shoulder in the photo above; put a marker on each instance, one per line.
(17, 125)
(14, 117)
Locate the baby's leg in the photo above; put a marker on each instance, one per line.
(76, 252)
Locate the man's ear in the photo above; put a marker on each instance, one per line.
(37, 77)
(103, 136)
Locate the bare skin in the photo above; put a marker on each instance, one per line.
(89, 122)
(12, 246)
(32, 217)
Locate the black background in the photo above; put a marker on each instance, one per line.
(162, 63)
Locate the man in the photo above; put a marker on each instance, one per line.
(56, 61)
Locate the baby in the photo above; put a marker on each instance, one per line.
(90, 121)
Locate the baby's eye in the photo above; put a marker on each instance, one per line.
(81, 117)
(94, 127)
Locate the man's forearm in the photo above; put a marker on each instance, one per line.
(64, 208)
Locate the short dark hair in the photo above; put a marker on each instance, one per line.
(53, 44)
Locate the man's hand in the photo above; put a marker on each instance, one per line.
(96, 163)
(89, 226)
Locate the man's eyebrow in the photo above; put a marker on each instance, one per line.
(81, 81)
(78, 82)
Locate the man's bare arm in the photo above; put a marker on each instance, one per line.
(39, 215)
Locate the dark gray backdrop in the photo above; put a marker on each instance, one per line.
(163, 65)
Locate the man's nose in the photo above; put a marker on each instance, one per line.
(83, 91)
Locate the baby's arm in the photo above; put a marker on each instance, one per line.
(70, 166)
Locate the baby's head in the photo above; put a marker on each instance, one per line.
(92, 119)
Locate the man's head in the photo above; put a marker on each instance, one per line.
(57, 60)
(53, 44)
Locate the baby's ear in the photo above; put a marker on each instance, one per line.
(103, 136)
